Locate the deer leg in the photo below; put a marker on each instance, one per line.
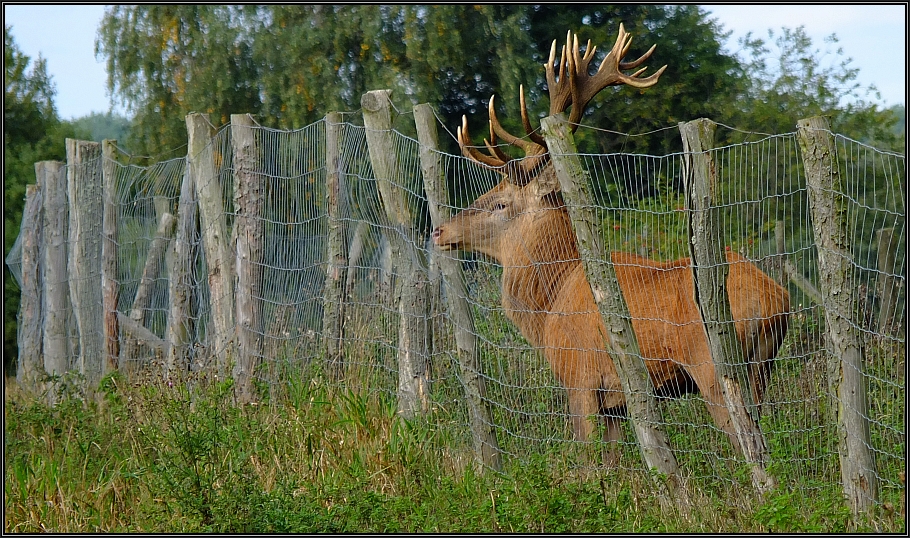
(611, 437)
(705, 377)
(582, 405)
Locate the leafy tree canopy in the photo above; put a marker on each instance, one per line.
(290, 64)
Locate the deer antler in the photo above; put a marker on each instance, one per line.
(570, 85)
(576, 87)
(535, 148)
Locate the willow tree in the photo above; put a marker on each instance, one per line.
(165, 61)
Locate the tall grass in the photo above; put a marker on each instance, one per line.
(158, 457)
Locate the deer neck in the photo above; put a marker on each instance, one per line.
(535, 266)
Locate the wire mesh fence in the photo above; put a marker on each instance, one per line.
(169, 318)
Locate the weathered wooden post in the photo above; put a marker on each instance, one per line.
(57, 346)
(780, 243)
(84, 194)
(413, 382)
(336, 255)
(835, 276)
(215, 239)
(621, 342)
(248, 228)
(29, 368)
(181, 324)
(887, 281)
(110, 286)
(138, 312)
(709, 273)
(486, 448)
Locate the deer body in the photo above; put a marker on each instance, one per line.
(523, 224)
(546, 294)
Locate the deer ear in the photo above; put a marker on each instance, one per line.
(544, 183)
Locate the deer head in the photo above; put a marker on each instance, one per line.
(500, 217)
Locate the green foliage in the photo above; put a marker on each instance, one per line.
(793, 79)
(292, 64)
(162, 457)
(98, 127)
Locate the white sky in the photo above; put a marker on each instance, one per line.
(874, 36)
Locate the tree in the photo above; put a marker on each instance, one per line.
(32, 132)
(165, 61)
(98, 127)
(293, 63)
(793, 80)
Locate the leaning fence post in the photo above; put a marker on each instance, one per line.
(413, 382)
(835, 276)
(110, 286)
(213, 224)
(29, 369)
(138, 312)
(622, 343)
(248, 200)
(336, 258)
(52, 179)
(84, 195)
(486, 448)
(180, 323)
(709, 274)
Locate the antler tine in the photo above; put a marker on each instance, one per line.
(528, 146)
(625, 66)
(491, 144)
(560, 90)
(569, 85)
(471, 152)
(609, 73)
(536, 138)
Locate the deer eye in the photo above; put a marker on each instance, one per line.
(499, 207)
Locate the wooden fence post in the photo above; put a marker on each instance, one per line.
(337, 249)
(413, 382)
(84, 194)
(887, 281)
(248, 228)
(709, 273)
(623, 345)
(486, 448)
(181, 324)
(57, 344)
(110, 286)
(29, 368)
(213, 224)
(835, 276)
(138, 313)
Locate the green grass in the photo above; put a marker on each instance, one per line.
(156, 458)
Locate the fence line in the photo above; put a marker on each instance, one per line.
(268, 254)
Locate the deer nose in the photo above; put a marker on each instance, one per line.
(435, 235)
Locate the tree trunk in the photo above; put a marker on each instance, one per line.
(213, 223)
(709, 273)
(248, 193)
(486, 448)
(85, 197)
(57, 345)
(413, 382)
(336, 255)
(622, 343)
(835, 270)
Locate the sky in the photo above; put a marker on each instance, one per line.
(874, 36)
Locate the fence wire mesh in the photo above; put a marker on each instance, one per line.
(640, 205)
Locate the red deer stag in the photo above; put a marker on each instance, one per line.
(523, 224)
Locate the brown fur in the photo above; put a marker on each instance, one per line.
(546, 294)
